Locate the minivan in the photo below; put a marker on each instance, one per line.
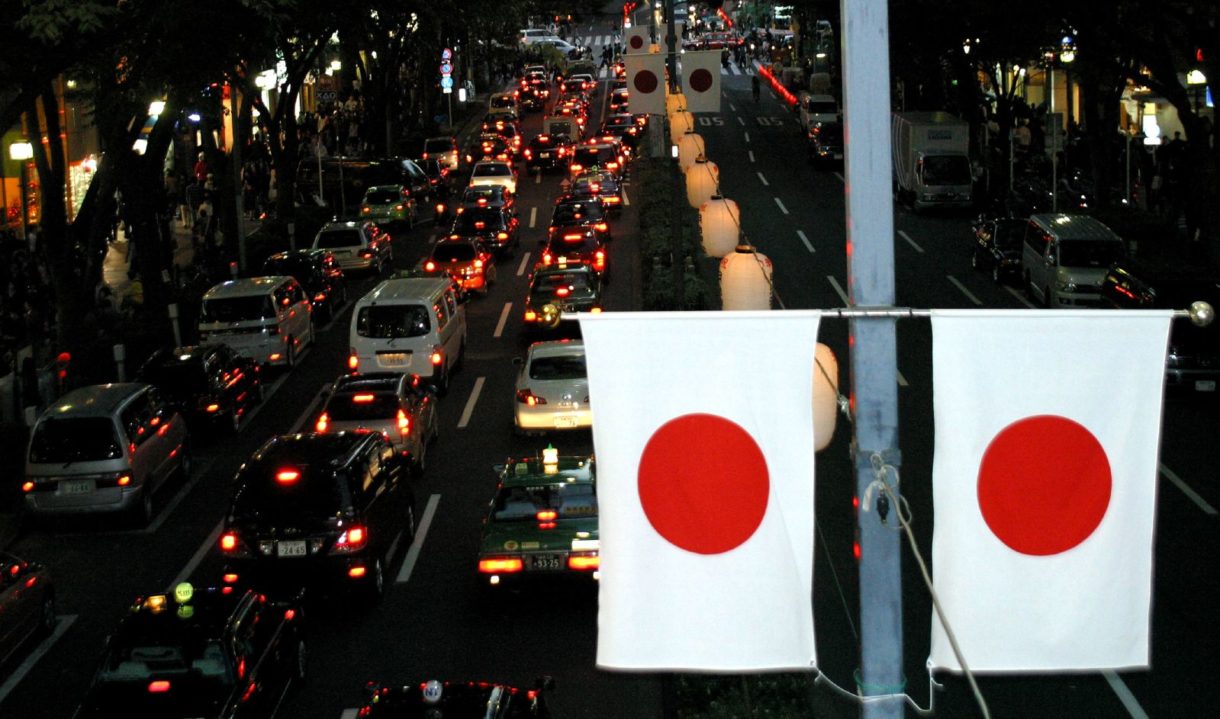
(268, 319)
(1064, 259)
(104, 449)
(413, 324)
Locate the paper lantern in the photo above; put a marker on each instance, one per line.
(690, 146)
(745, 280)
(680, 123)
(825, 396)
(719, 220)
(702, 181)
(675, 101)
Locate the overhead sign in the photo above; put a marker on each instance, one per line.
(446, 54)
(446, 71)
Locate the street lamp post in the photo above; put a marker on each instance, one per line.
(22, 152)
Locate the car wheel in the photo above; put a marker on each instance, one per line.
(46, 618)
(235, 416)
(376, 588)
(442, 382)
(1029, 287)
(184, 465)
(290, 354)
(142, 512)
(410, 524)
(302, 661)
(421, 459)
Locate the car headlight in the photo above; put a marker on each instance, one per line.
(1067, 286)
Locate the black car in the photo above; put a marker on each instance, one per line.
(496, 228)
(624, 127)
(576, 246)
(547, 152)
(319, 509)
(1193, 360)
(573, 213)
(319, 274)
(600, 185)
(826, 143)
(219, 652)
(456, 700)
(212, 385)
(568, 288)
(489, 147)
(493, 196)
(997, 246)
(27, 604)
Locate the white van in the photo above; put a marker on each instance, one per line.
(816, 109)
(413, 324)
(1065, 258)
(268, 319)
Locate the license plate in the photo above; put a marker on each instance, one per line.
(565, 421)
(295, 548)
(77, 486)
(544, 155)
(393, 359)
(546, 562)
(1205, 385)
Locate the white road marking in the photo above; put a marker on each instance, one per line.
(474, 397)
(747, 137)
(751, 154)
(1124, 694)
(349, 714)
(508, 306)
(317, 398)
(525, 260)
(969, 295)
(808, 244)
(199, 554)
(184, 490)
(763, 180)
(902, 381)
(61, 627)
(838, 290)
(743, 122)
(626, 201)
(421, 531)
(840, 176)
(732, 107)
(910, 242)
(538, 179)
(781, 205)
(1020, 297)
(1191, 494)
(533, 216)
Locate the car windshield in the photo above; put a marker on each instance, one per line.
(453, 252)
(392, 321)
(237, 309)
(296, 266)
(946, 170)
(264, 493)
(74, 439)
(356, 406)
(549, 283)
(179, 652)
(576, 242)
(1009, 233)
(382, 197)
(503, 101)
(478, 220)
(568, 501)
(497, 170)
(1074, 253)
(558, 367)
(823, 108)
(177, 378)
(574, 212)
(329, 239)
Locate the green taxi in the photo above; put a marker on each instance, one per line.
(542, 521)
(389, 204)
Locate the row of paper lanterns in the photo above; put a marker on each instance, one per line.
(745, 273)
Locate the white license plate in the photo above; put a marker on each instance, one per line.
(77, 486)
(295, 548)
(546, 562)
(393, 359)
(1205, 385)
(565, 421)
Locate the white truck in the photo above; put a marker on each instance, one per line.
(932, 160)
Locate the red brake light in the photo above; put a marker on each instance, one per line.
(594, 187)
(353, 362)
(404, 423)
(573, 237)
(288, 476)
(562, 292)
(321, 425)
(546, 515)
(478, 225)
(547, 258)
(430, 266)
(601, 226)
(530, 316)
(353, 538)
(158, 686)
(29, 486)
(478, 264)
(437, 358)
(501, 235)
(526, 397)
(228, 541)
(500, 565)
(584, 562)
(362, 398)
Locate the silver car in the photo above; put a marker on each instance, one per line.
(400, 406)
(553, 388)
(357, 246)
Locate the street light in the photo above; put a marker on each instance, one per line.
(23, 152)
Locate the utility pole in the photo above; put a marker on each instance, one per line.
(870, 267)
(679, 250)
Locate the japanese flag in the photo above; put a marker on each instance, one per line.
(701, 80)
(646, 83)
(703, 435)
(636, 39)
(1044, 486)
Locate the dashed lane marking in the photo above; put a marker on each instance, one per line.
(525, 259)
(508, 306)
(781, 205)
(470, 403)
(199, 554)
(838, 290)
(1191, 494)
(808, 244)
(533, 216)
(969, 295)
(902, 381)
(763, 180)
(910, 242)
(747, 137)
(61, 627)
(1020, 297)
(417, 545)
(741, 122)
(1124, 694)
(840, 176)
(732, 107)
(751, 154)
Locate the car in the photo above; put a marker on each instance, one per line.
(588, 80)
(817, 108)
(600, 185)
(997, 247)
(542, 522)
(437, 172)
(319, 274)
(400, 406)
(575, 213)
(547, 152)
(619, 100)
(568, 49)
(489, 146)
(565, 125)
(443, 148)
(596, 156)
(558, 289)
(468, 261)
(325, 509)
(528, 36)
(496, 229)
(511, 133)
(268, 319)
(573, 246)
(27, 604)
(573, 86)
(104, 449)
(390, 204)
(576, 110)
(504, 103)
(552, 388)
(459, 700)
(494, 172)
(825, 143)
(1193, 359)
(215, 652)
(358, 246)
(1065, 257)
(623, 126)
(414, 179)
(211, 385)
(413, 324)
(494, 196)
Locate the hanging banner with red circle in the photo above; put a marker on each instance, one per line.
(646, 83)
(701, 80)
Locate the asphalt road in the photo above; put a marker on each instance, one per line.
(431, 624)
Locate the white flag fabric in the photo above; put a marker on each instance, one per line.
(1044, 486)
(705, 488)
(701, 80)
(636, 39)
(646, 83)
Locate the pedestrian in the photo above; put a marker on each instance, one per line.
(201, 169)
(755, 87)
